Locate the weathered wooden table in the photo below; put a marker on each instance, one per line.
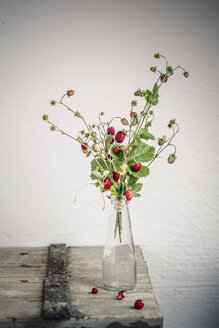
(22, 291)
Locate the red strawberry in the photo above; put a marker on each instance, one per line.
(107, 183)
(162, 78)
(120, 136)
(139, 304)
(129, 194)
(137, 167)
(94, 291)
(116, 150)
(111, 131)
(122, 293)
(116, 176)
(84, 148)
(119, 296)
(133, 114)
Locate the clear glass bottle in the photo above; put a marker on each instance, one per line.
(119, 262)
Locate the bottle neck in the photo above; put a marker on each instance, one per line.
(118, 202)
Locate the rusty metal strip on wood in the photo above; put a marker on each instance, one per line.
(56, 304)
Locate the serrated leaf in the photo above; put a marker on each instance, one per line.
(109, 139)
(144, 134)
(96, 175)
(117, 164)
(105, 173)
(141, 153)
(143, 172)
(93, 177)
(137, 187)
(135, 194)
(131, 180)
(99, 162)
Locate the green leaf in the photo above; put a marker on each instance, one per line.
(117, 164)
(95, 175)
(143, 172)
(88, 154)
(131, 180)
(118, 156)
(137, 187)
(154, 102)
(105, 173)
(141, 153)
(99, 162)
(144, 134)
(109, 139)
(147, 95)
(135, 194)
(155, 90)
(114, 191)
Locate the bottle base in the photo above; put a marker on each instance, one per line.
(115, 286)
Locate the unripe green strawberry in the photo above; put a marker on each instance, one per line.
(45, 117)
(77, 114)
(161, 141)
(186, 74)
(171, 158)
(153, 69)
(157, 55)
(134, 122)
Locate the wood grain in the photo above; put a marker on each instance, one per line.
(21, 291)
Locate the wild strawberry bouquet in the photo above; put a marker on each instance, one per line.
(121, 158)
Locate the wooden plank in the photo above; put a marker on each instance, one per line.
(21, 302)
(56, 304)
(22, 271)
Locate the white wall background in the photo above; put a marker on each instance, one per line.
(103, 50)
